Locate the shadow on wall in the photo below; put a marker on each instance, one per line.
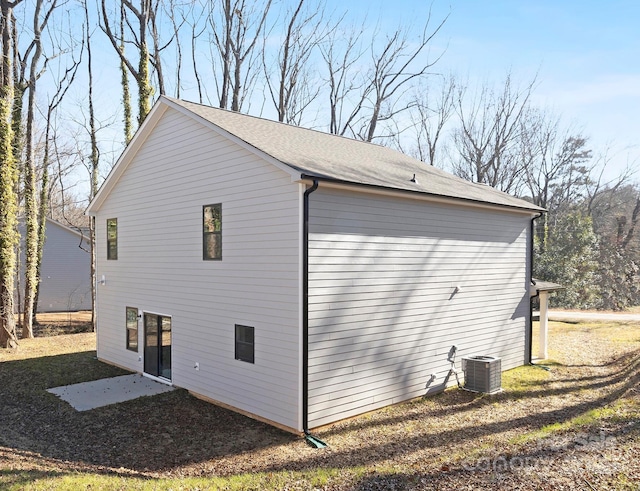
(434, 389)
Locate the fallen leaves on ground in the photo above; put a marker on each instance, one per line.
(577, 426)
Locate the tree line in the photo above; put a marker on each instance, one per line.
(300, 63)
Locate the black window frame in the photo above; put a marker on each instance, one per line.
(244, 347)
(112, 242)
(208, 234)
(131, 332)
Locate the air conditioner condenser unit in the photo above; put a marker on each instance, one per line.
(482, 374)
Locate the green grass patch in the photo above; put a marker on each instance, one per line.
(524, 378)
(624, 483)
(312, 479)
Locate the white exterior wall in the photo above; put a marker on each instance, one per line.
(383, 313)
(158, 201)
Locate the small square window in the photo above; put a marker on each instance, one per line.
(245, 343)
(112, 238)
(132, 329)
(212, 231)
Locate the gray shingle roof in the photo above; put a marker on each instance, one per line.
(325, 156)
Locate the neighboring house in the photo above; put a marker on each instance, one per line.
(300, 277)
(65, 271)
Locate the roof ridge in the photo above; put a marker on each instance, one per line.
(288, 125)
(312, 152)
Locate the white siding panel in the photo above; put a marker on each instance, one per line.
(158, 203)
(65, 272)
(383, 314)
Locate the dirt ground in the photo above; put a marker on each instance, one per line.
(573, 425)
(56, 323)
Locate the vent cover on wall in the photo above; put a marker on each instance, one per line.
(482, 374)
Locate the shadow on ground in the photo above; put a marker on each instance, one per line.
(174, 430)
(146, 434)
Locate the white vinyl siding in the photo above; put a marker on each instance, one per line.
(65, 272)
(383, 314)
(181, 167)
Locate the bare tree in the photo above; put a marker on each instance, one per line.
(236, 26)
(394, 68)
(124, 79)
(138, 23)
(94, 169)
(341, 51)
(196, 32)
(362, 100)
(489, 128)
(65, 199)
(429, 116)
(61, 89)
(178, 20)
(556, 165)
(31, 208)
(598, 185)
(292, 89)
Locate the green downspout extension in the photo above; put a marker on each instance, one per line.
(311, 440)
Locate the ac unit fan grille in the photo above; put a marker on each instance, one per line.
(482, 374)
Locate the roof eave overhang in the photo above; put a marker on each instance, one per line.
(422, 195)
(145, 129)
(293, 173)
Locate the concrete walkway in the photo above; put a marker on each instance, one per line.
(563, 315)
(98, 393)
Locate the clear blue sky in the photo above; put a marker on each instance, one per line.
(586, 55)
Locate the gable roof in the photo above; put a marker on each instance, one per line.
(307, 153)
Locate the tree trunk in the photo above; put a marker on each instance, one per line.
(126, 95)
(144, 84)
(95, 163)
(8, 179)
(42, 220)
(30, 191)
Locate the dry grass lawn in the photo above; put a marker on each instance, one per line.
(573, 426)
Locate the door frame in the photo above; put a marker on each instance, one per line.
(158, 378)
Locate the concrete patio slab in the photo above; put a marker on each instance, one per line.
(98, 393)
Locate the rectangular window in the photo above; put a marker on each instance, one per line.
(244, 343)
(132, 329)
(212, 231)
(112, 238)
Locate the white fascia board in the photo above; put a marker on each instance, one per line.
(295, 175)
(432, 198)
(127, 156)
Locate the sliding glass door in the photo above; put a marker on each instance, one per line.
(157, 345)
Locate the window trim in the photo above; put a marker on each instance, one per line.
(110, 251)
(206, 234)
(240, 343)
(128, 329)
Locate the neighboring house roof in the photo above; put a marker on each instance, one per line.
(81, 232)
(313, 154)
